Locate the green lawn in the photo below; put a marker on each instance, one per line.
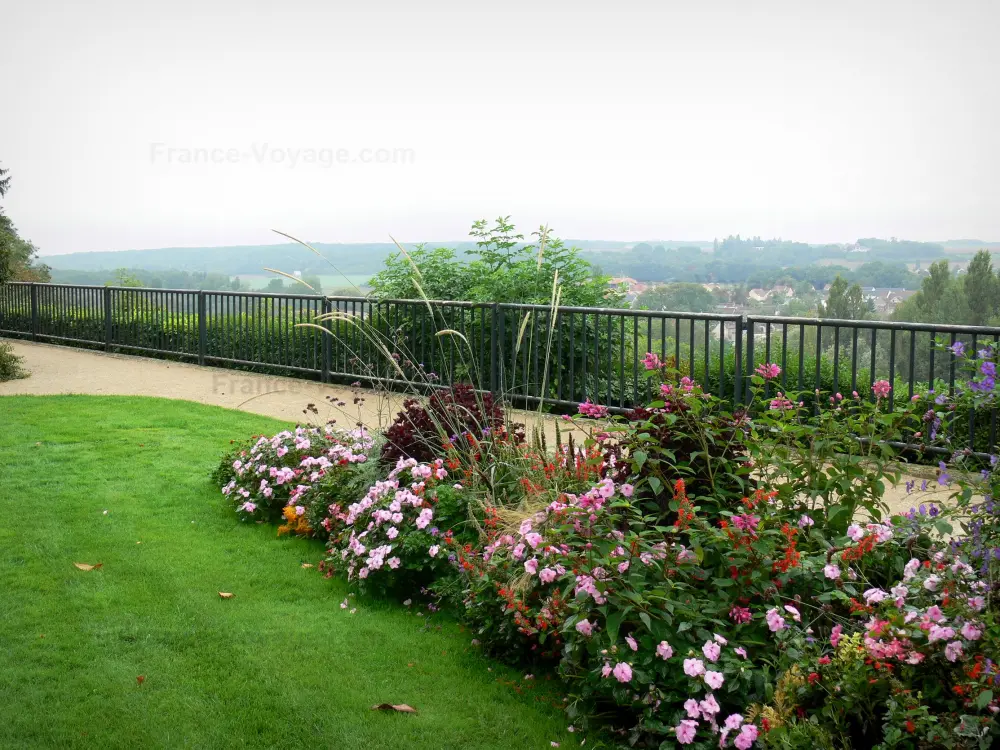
(124, 482)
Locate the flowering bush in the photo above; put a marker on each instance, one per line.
(398, 536)
(910, 666)
(303, 478)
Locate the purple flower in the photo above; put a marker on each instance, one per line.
(958, 349)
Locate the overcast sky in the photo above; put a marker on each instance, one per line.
(821, 121)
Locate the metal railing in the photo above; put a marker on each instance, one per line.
(530, 353)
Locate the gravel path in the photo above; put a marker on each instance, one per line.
(60, 369)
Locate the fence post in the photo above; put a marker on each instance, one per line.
(748, 371)
(35, 326)
(327, 365)
(202, 328)
(738, 363)
(493, 347)
(107, 319)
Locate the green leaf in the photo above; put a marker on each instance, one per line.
(640, 458)
(984, 699)
(614, 622)
(645, 621)
(656, 484)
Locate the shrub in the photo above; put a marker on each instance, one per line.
(422, 432)
(11, 365)
(304, 478)
(397, 538)
(908, 668)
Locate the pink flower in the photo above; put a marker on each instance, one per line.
(740, 615)
(774, 620)
(525, 526)
(622, 672)
(548, 575)
(873, 596)
(531, 566)
(694, 667)
(711, 650)
(835, 635)
(977, 603)
(714, 679)
(589, 409)
(881, 388)
(432, 551)
(605, 670)
(805, 521)
(664, 651)
(793, 612)
(934, 613)
(831, 571)
(953, 650)
(686, 731)
(768, 371)
(746, 737)
(971, 632)
(855, 532)
(392, 532)
(585, 627)
(691, 706)
(424, 518)
(626, 490)
(631, 643)
(533, 539)
(740, 651)
(719, 639)
(651, 361)
(393, 562)
(733, 721)
(938, 633)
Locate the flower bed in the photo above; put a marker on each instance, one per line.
(695, 576)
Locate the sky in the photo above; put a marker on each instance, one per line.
(139, 125)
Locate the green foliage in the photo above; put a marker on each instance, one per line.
(846, 302)
(18, 257)
(503, 268)
(678, 297)
(11, 365)
(972, 299)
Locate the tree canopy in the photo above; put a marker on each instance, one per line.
(18, 257)
(501, 268)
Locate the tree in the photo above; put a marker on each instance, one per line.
(17, 256)
(124, 277)
(846, 302)
(679, 297)
(981, 289)
(502, 269)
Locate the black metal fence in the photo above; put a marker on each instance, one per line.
(530, 353)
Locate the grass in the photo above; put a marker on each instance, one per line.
(278, 665)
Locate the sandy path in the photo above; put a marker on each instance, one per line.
(59, 369)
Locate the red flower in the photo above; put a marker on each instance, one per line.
(911, 727)
(813, 678)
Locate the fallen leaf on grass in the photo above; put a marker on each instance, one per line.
(307, 565)
(226, 595)
(140, 679)
(400, 707)
(85, 566)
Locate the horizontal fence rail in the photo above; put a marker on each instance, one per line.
(530, 353)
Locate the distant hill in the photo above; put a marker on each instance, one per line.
(235, 260)
(969, 245)
(242, 260)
